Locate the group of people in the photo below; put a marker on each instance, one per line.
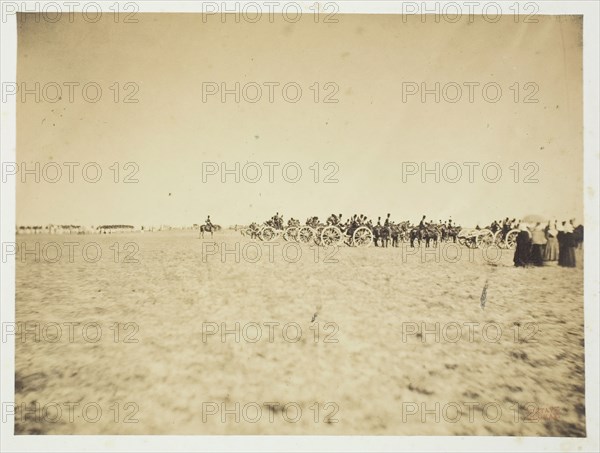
(547, 243)
(276, 221)
(383, 229)
(503, 226)
(536, 244)
(353, 222)
(356, 220)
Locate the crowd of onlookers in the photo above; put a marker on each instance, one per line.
(539, 243)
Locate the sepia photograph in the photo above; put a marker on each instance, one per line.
(289, 219)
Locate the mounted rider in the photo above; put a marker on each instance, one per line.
(352, 224)
(277, 221)
(387, 221)
(313, 221)
(208, 223)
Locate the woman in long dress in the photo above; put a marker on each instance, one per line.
(551, 250)
(523, 250)
(567, 244)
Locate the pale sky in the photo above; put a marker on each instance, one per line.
(369, 133)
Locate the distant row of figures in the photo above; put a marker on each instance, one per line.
(102, 229)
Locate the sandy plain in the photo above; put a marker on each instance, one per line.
(364, 341)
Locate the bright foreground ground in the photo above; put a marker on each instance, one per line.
(515, 367)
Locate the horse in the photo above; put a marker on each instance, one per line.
(399, 232)
(381, 232)
(431, 233)
(415, 234)
(428, 234)
(395, 234)
(376, 234)
(253, 230)
(205, 229)
(452, 233)
(384, 234)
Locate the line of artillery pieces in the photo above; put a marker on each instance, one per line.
(366, 236)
